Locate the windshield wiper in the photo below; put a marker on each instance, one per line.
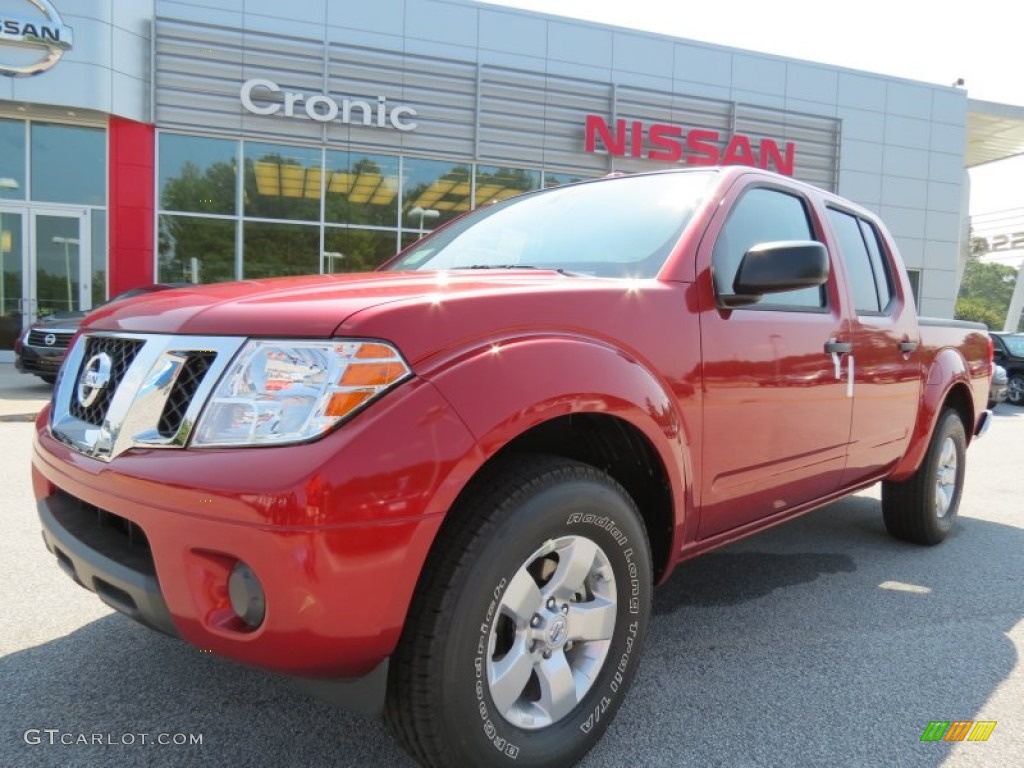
(522, 266)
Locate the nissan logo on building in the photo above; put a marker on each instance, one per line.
(30, 44)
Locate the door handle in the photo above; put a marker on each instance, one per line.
(907, 346)
(833, 347)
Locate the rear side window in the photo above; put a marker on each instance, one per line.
(879, 264)
(861, 251)
(763, 215)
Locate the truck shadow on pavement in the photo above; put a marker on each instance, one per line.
(819, 643)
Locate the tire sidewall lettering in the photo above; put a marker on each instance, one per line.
(513, 743)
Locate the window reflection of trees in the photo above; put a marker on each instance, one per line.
(356, 250)
(282, 183)
(306, 184)
(364, 191)
(273, 250)
(196, 250)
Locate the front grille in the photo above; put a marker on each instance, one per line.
(37, 338)
(121, 351)
(132, 390)
(113, 536)
(184, 389)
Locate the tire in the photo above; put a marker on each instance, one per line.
(48, 378)
(1015, 389)
(923, 508)
(495, 666)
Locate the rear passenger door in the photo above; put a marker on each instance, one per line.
(885, 358)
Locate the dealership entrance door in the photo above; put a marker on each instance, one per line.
(46, 260)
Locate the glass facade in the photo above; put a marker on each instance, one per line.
(302, 210)
(197, 174)
(53, 229)
(69, 164)
(12, 159)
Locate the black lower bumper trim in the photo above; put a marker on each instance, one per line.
(363, 695)
(134, 593)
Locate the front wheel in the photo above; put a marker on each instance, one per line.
(923, 508)
(1015, 389)
(526, 628)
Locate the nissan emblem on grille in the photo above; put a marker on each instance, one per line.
(50, 339)
(95, 377)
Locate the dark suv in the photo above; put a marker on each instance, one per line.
(1008, 351)
(40, 349)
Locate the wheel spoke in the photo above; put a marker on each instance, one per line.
(594, 620)
(509, 676)
(948, 457)
(574, 564)
(557, 687)
(522, 599)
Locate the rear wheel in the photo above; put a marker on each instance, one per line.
(528, 621)
(923, 508)
(1015, 389)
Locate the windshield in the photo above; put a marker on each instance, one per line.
(621, 227)
(1015, 345)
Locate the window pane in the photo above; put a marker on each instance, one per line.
(362, 189)
(915, 284)
(273, 250)
(197, 174)
(69, 164)
(282, 182)
(763, 216)
(11, 249)
(98, 228)
(356, 250)
(879, 263)
(12, 159)
(196, 250)
(557, 178)
(58, 252)
(858, 263)
(434, 192)
(494, 184)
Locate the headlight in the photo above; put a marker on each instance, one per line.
(278, 392)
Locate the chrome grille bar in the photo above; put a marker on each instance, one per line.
(136, 407)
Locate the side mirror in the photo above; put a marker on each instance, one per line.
(777, 267)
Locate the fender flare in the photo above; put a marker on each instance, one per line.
(568, 375)
(947, 371)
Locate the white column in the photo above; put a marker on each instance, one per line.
(1016, 302)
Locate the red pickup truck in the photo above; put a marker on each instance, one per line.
(446, 489)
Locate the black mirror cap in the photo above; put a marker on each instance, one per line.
(775, 267)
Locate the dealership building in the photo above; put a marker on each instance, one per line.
(165, 140)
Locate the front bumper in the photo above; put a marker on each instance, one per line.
(42, 361)
(336, 530)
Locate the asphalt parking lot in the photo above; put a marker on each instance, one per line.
(819, 643)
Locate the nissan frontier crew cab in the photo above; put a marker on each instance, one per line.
(445, 490)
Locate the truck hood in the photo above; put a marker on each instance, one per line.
(301, 307)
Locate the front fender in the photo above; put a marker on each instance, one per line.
(503, 389)
(947, 371)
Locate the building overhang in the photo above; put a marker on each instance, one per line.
(995, 131)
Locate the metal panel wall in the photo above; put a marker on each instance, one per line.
(466, 110)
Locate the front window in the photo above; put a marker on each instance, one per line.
(1015, 345)
(624, 227)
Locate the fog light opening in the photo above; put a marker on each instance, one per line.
(246, 593)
